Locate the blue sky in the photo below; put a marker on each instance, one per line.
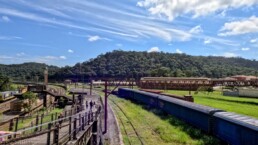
(64, 32)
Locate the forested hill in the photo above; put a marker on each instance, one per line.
(127, 64)
(137, 64)
(26, 71)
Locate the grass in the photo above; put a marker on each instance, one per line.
(245, 106)
(47, 118)
(154, 127)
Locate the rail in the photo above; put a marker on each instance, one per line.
(59, 131)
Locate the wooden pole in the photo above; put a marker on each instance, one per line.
(106, 116)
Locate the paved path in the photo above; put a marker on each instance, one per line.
(113, 135)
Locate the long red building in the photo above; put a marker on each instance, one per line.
(185, 83)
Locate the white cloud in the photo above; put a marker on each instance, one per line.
(249, 25)
(229, 54)
(196, 30)
(154, 49)
(174, 8)
(54, 57)
(254, 40)
(5, 57)
(179, 51)
(51, 57)
(9, 37)
(20, 54)
(223, 13)
(119, 45)
(96, 38)
(207, 41)
(122, 24)
(70, 51)
(93, 38)
(5, 19)
(245, 49)
(62, 57)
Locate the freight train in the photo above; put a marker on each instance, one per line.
(232, 128)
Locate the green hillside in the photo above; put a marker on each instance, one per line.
(127, 64)
(138, 64)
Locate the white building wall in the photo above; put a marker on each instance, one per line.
(248, 92)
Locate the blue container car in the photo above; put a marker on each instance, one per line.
(126, 93)
(236, 129)
(146, 98)
(198, 115)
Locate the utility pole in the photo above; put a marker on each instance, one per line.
(90, 86)
(106, 115)
(46, 76)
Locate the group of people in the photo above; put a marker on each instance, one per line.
(91, 104)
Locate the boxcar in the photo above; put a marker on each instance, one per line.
(236, 129)
(146, 98)
(126, 93)
(198, 115)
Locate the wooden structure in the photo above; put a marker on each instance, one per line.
(174, 83)
(184, 83)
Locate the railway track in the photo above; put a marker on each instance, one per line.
(116, 108)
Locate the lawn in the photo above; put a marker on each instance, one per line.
(246, 106)
(27, 122)
(153, 126)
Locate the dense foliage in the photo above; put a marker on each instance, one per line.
(27, 71)
(138, 64)
(29, 99)
(128, 64)
(5, 83)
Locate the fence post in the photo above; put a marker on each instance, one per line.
(74, 129)
(37, 122)
(56, 116)
(49, 133)
(70, 128)
(16, 126)
(83, 122)
(80, 123)
(91, 116)
(86, 118)
(11, 125)
(56, 134)
(41, 121)
(52, 117)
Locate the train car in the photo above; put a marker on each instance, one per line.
(236, 129)
(197, 115)
(126, 93)
(146, 98)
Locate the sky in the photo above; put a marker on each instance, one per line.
(65, 32)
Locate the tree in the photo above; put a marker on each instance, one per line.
(29, 99)
(5, 83)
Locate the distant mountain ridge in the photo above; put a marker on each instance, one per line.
(128, 64)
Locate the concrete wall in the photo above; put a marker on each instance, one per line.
(248, 93)
(231, 93)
